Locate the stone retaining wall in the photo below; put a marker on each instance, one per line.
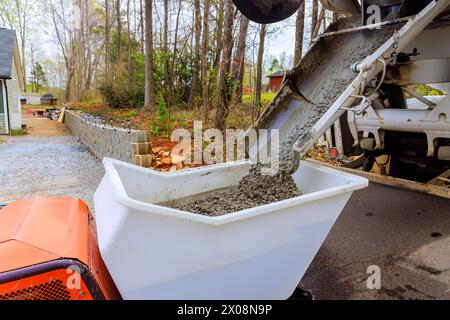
(113, 142)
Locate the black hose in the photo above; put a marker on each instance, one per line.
(267, 11)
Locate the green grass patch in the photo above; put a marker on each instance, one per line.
(425, 90)
(266, 98)
(19, 132)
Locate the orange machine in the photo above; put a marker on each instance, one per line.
(49, 251)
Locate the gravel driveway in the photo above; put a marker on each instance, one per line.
(48, 162)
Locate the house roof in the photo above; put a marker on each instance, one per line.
(30, 94)
(9, 51)
(7, 41)
(276, 74)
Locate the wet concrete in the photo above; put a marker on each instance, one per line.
(394, 229)
(252, 191)
(47, 162)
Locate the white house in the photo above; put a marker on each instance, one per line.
(31, 98)
(11, 82)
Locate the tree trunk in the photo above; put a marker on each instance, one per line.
(195, 67)
(119, 31)
(149, 85)
(314, 13)
(68, 93)
(259, 66)
(225, 64)
(205, 76)
(171, 75)
(141, 22)
(166, 26)
(24, 75)
(239, 60)
(299, 32)
(219, 33)
(318, 24)
(107, 42)
(129, 44)
(166, 48)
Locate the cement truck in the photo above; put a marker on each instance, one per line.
(394, 120)
(357, 74)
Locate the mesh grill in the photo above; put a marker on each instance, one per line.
(51, 290)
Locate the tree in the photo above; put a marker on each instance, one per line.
(149, 104)
(319, 22)
(107, 40)
(171, 74)
(18, 15)
(259, 66)
(220, 8)
(119, 30)
(66, 39)
(275, 65)
(239, 60)
(314, 13)
(299, 32)
(195, 66)
(205, 75)
(222, 109)
(38, 78)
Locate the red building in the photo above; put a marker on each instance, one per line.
(275, 81)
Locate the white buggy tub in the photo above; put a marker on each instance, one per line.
(155, 252)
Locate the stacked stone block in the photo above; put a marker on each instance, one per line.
(113, 142)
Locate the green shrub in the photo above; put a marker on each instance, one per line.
(161, 123)
(119, 96)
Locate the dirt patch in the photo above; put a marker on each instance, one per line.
(43, 127)
(256, 189)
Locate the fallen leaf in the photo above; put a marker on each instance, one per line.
(176, 159)
(166, 160)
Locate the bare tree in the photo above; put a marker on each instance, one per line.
(299, 32)
(225, 64)
(195, 67)
(166, 26)
(205, 75)
(141, 25)
(107, 40)
(171, 75)
(149, 104)
(319, 22)
(259, 65)
(220, 8)
(314, 13)
(18, 14)
(119, 30)
(65, 35)
(239, 60)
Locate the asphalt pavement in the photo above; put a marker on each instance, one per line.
(387, 244)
